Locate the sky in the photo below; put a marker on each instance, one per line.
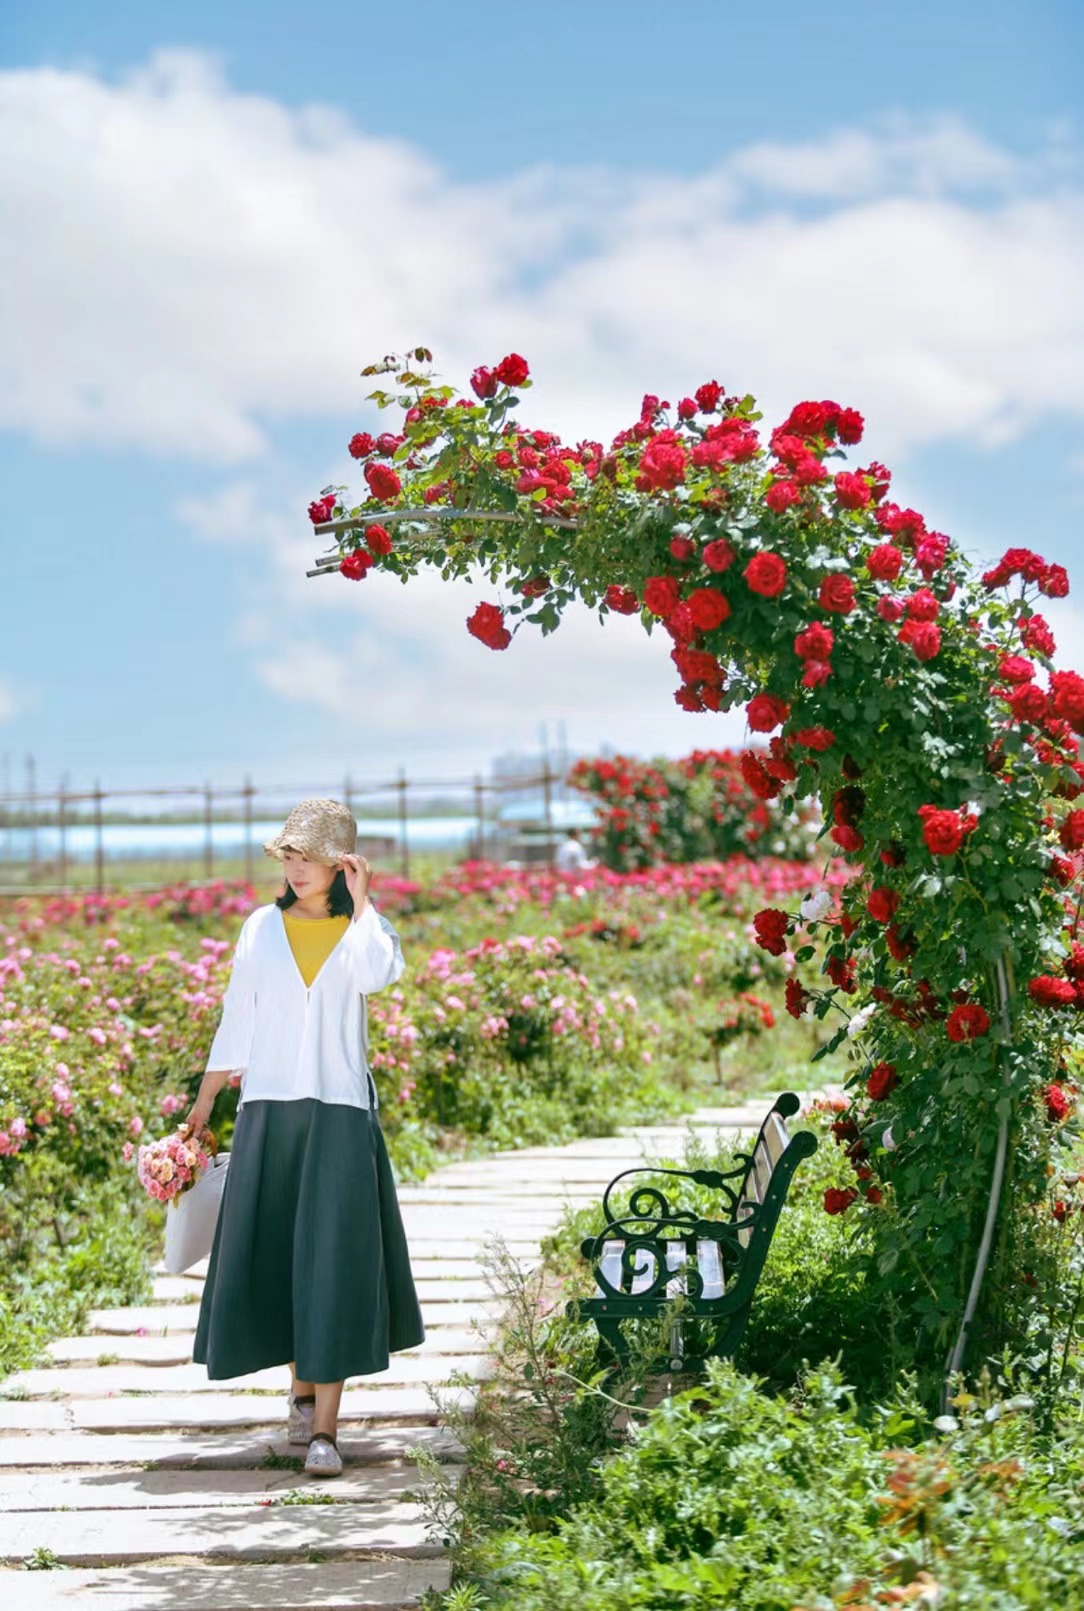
(212, 216)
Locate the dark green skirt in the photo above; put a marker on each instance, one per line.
(309, 1261)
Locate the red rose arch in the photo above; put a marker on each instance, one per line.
(914, 701)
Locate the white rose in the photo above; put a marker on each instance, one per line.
(816, 906)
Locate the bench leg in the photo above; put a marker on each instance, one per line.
(613, 1339)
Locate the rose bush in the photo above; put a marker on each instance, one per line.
(698, 808)
(857, 621)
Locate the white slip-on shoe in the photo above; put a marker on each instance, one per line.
(323, 1458)
(299, 1424)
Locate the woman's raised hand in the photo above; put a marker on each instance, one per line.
(358, 876)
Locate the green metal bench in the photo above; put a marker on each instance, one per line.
(651, 1252)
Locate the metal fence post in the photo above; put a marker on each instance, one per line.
(61, 820)
(208, 845)
(480, 809)
(404, 838)
(547, 807)
(99, 848)
(247, 793)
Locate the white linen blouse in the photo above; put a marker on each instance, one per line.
(291, 1040)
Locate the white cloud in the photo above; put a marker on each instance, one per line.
(195, 264)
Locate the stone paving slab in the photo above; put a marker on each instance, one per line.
(113, 1487)
(176, 1349)
(349, 1586)
(233, 1450)
(180, 1319)
(18, 1417)
(212, 1410)
(94, 1381)
(252, 1532)
(443, 1289)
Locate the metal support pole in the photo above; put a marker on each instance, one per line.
(480, 810)
(547, 808)
(404, 841)
(248, 792)
(99, 847)
(208, 840)
(61, 822)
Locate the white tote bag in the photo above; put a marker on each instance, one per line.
(191, 1219)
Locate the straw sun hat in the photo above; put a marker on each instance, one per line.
(322, 829)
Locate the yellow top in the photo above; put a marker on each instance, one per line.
(312, 939)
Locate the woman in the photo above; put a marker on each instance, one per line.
(309, 1265)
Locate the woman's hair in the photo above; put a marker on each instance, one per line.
(340, 902)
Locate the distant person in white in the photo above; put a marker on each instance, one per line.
(571, 856)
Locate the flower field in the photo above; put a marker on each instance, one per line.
(535, 1007)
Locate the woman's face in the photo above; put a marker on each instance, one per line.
(305, 876)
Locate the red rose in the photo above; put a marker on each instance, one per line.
(1055, 584)
(848, 839)
(682, 547)
(900, 946)
(849, 426)
(815, 642)
(513, 370)
(708, 395)
(780, 495)
(686, 409)
(718, 555)
(356, 565)
(923, 638)
(882, 1079)
(770, 927)
(837, 1199)
(815, 673)
(709, 608)
(387, 443)
(1028, 703)
(841, 971)
(890, 609)
(483, 383)
(1049, 991)
(765, 713)
(1071, 832)
(1067, 698)
(622, 600)
(320, 509)
(758, 780)
(766, 574)
(680, 624)
(503, 459)
(852, 491)
(796, 997)
(1037, 635)
(884, 562)
(882, 904)
(923, 605)
(1059, 1104)
(944, 831)
(930, 553)
(383, 481)
(378, 540)
(360, 445)
(1015, 668)
(815, 738)
(837, 594)
(487, 625)
(688, 699)
(967, 1022)
(662, 596)
(662, 466)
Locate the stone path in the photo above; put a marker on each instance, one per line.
(149, 1486)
